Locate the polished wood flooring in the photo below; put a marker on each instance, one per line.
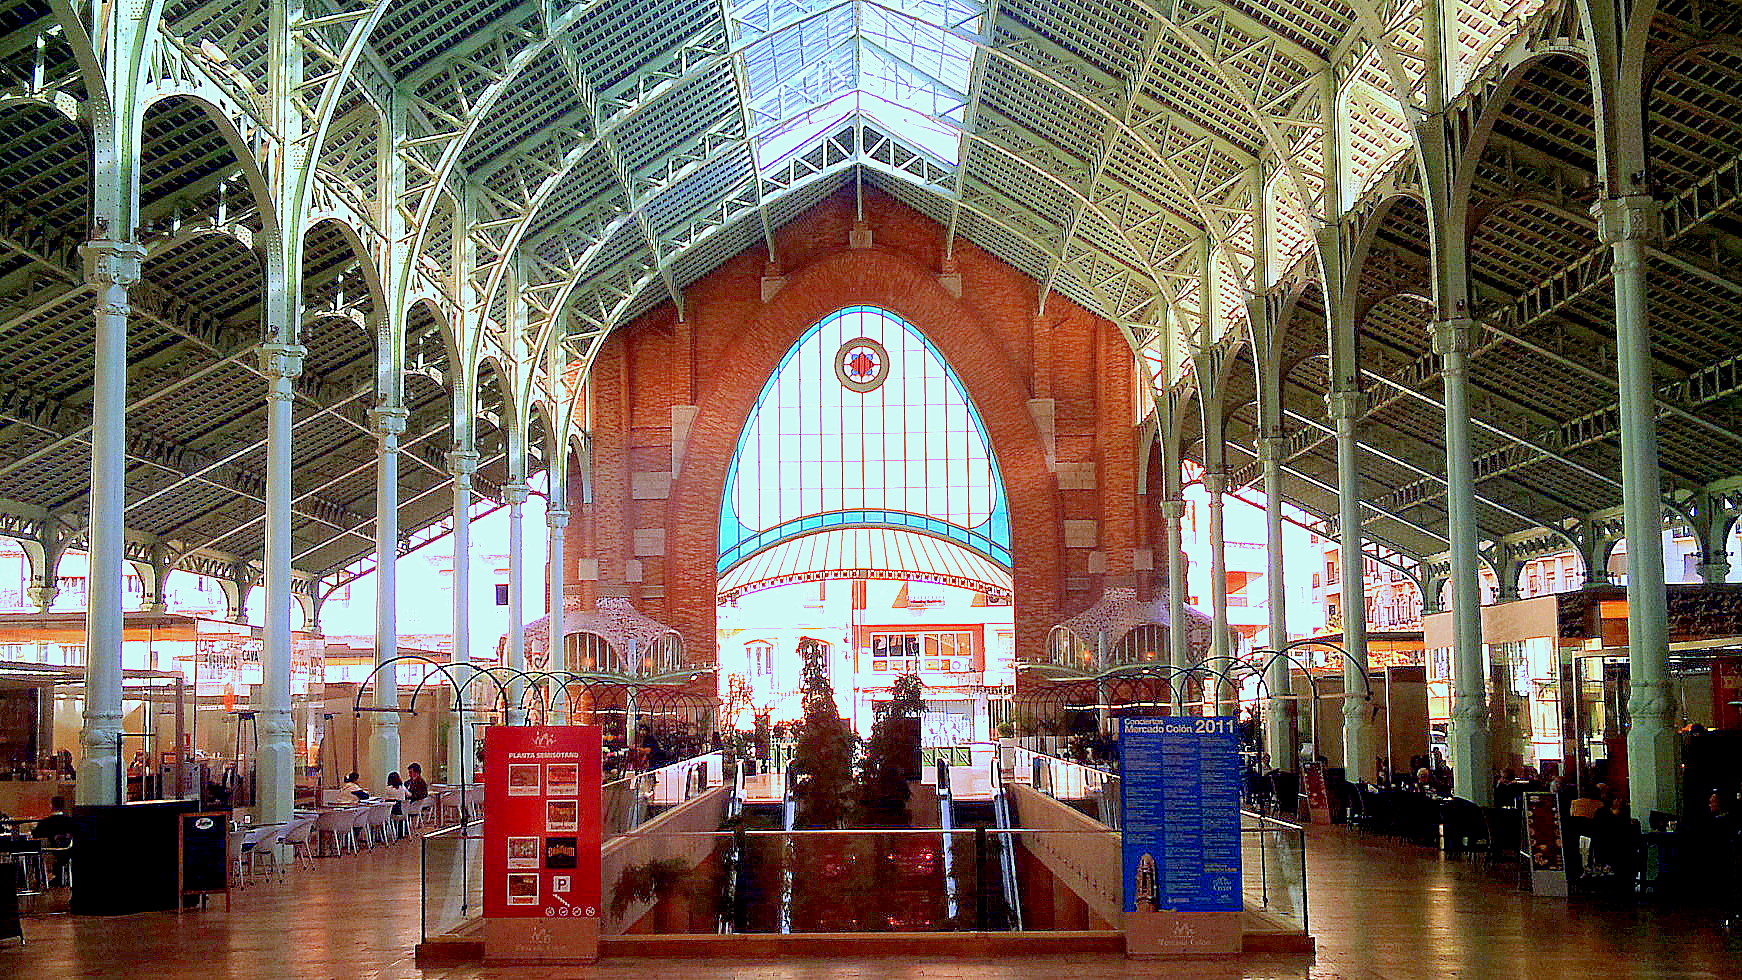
(1380, 910)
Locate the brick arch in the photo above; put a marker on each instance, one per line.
(997, 388)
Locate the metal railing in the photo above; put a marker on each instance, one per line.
(1272, 851)
(451, 869)
(1273, 866)
(778, 881)
(628, 802)
(1074, 784)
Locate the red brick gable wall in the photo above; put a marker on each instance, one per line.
(719, 357)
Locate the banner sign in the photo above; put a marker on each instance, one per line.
(1180, 786)
(542, 829)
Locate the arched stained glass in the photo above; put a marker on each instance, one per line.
(863, 424)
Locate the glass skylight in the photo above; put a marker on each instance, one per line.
(813, 66)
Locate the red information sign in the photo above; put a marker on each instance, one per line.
(541, 837)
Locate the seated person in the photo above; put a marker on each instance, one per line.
(395, 791)
(56, 833)
(415, 788)
(354, 788)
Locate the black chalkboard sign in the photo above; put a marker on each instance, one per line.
(202, 855)
(10, 926)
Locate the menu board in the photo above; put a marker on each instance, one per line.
(542, 833)
(1180, 786)
(203, 856)
(1542, 841)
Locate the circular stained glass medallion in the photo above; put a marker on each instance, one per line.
(862, 364)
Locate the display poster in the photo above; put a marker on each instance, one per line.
(1180, 788)
(1542, 841)
(542, 839)
(1180, 793)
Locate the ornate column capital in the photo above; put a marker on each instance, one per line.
(388, 421)
(281, 361)
(112, 267)
(463, 464)
(1173, 508)
(1454, 335)
(1630, 218)
(557, 518)
(1272, 449)
(1215, 484)
(1345, 403)
(112, 263)
(42, 596)
(515, 494)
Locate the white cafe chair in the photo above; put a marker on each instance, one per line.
(337, 824)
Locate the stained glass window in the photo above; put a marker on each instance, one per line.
(863, 424)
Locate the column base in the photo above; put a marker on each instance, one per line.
(1359, 761)
(1281, 736)
(100, 769)
(383, 751)
(1653, 751)
(1472, 748)
(99, 782)
(275, 776)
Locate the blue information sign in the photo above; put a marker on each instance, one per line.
(1180, 786)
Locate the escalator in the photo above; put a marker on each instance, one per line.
(788, 805)
(947, 823)
(1004, 818)
(735, 802)
(991, 869)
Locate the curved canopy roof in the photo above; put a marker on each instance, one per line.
(877, 553)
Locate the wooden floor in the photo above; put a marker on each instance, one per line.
(1379, 909)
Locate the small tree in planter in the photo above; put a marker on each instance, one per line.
(890, 754)
(822, 757)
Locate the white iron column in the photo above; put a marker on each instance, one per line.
(1281, 733)
(1358, 759)
(1227, 700)
(389, 423)
(276, 772)
(1471, 741)
(1173, 510)
(557, 520)
(110, 267)
(515, 495)
(462, 464)
(1625, 224)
